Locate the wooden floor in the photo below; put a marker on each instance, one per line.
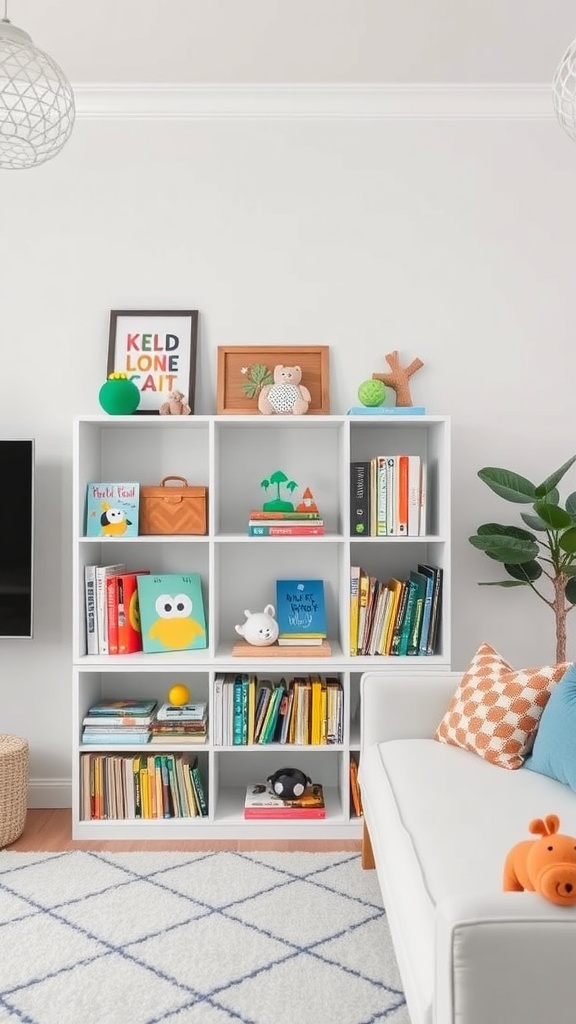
(49, 830)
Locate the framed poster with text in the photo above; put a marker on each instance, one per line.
(156, 350)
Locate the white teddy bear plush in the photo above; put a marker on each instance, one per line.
(260, 628)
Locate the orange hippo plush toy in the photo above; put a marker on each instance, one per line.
(546, 865)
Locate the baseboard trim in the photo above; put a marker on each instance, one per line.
(49, 793)
(356, 101)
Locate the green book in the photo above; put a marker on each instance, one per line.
(419, 579)
(408, 616)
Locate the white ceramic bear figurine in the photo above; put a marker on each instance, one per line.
(260, 628)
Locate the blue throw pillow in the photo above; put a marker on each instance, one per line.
(554, 750)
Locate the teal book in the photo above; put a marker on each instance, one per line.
(300, 609)
(112, 509)
(171, 612)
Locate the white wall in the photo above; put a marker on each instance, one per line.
(451, 240)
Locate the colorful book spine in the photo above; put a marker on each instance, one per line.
(359, 499)
(286, 531)
(259, 514)
(90, 602)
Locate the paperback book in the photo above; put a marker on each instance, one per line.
(293, 529)
(171, 612)
(300, 611)
(112, 509)
(195, 712)
(262, 802)
(138, 708)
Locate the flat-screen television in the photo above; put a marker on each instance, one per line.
(16, 538)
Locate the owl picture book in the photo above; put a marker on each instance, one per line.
(171, 612)
(112, 509)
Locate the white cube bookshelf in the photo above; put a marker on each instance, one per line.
(230, 455)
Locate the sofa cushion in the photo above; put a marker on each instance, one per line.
(495, 710)
(554, 750)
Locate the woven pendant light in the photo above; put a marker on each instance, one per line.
(36, 101)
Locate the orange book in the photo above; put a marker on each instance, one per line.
(402, 509)
(354, 788)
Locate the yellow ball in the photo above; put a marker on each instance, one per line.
(178, 694)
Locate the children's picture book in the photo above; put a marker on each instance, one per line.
(262, 802)
(194, 712)
(171, 612)
(300, 611)
(112, 509)
(141, 707)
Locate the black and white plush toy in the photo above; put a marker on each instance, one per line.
(288, 783)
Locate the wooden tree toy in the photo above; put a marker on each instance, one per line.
(399, 377)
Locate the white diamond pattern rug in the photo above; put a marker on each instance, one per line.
(194, 938)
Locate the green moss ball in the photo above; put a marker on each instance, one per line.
(372, 392)
(119, 396)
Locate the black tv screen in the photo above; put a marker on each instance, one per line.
(16, 538)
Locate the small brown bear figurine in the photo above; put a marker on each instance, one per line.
(175, 406)
(546, 865)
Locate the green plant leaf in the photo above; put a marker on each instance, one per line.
(570, 591)
(554, 478)
(568, 541)
(504, 583)
(508, 485)
(505, 548)
(569, 570)
(534, 522)
(504, 531)
(571, 504)
(526, 572)
(556, 518)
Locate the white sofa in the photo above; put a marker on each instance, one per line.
(439, 822)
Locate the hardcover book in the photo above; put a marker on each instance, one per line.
(359, 499)
(293, 529)
(262, 802)
(112, 509)
(137, 708)
(171, 612)
(300, 610)
(194, 712)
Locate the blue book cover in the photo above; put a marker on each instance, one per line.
(300, 608)
(112, 509)
(387, 410)
(171, 612)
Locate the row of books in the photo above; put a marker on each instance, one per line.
(144, 721)
(116, 786)
(305, 710)
(396, 617)
(261, 802)
(388, 496)
(129, 611)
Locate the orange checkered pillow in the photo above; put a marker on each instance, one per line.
(496, 710)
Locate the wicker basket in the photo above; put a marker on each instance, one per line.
(13, 787)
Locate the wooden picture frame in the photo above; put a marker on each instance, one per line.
(242, 371)
(157, 350)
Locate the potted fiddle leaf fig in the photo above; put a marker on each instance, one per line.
(542, 557)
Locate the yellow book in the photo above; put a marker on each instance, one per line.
(354, 607)
(364, 588)
(395, 587)
(316, 725)
(323, 713)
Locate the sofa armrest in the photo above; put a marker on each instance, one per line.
(404, 706)
(504, 957)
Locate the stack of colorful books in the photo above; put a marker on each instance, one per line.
(180, 723)
(298, 523)
(119, 721)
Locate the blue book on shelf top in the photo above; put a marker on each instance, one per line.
(300, 608)
(387, 410)
(112, 509)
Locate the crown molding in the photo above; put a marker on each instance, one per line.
(379, 102)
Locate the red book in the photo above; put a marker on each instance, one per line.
(112, 614)
(128, 612)
(402, 510)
